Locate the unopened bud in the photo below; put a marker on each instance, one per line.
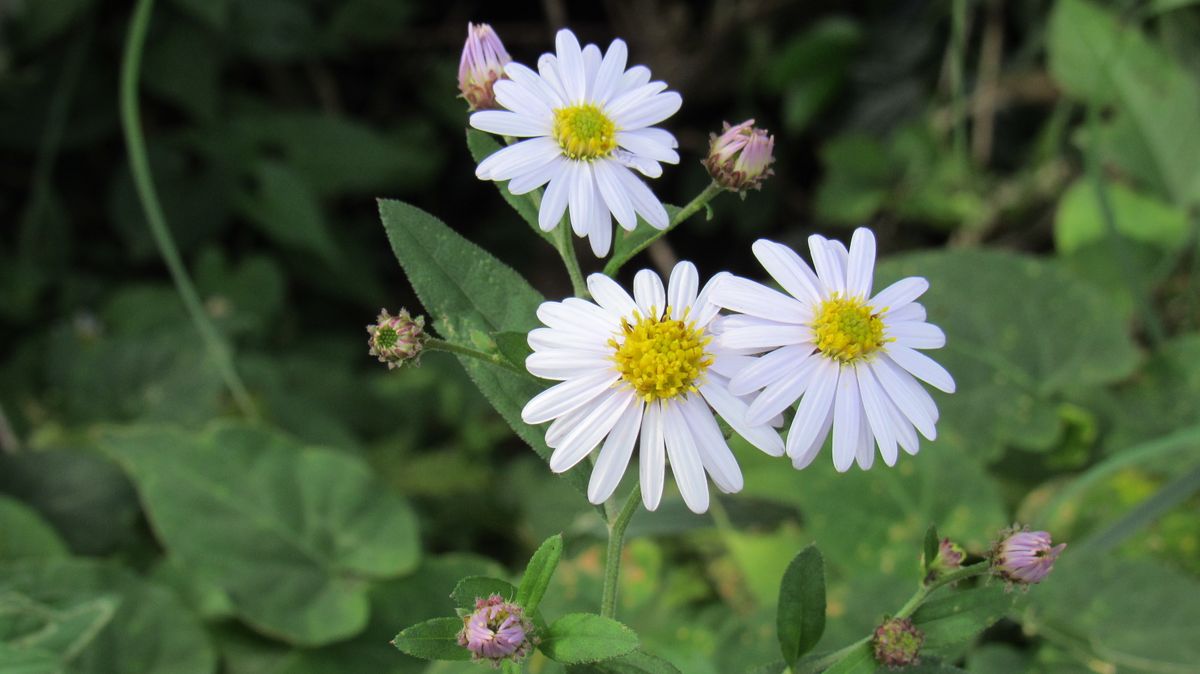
(740, 158)
(483, 61)
(950, 556)
(496, 631)
(397, 339)
(897, 643)
(1024, 557)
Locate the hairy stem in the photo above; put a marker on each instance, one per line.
(139, 165)
(566, 250)
(434, 344)
(612, 559)
(700, 201)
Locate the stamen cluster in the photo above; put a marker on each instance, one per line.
(846, 329)
(661, 357)
(584, 132)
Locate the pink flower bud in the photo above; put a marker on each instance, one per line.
(741, 157)
(397, 339)
(497, 631)
(1024, 557)
(897, 643)
(483, 61)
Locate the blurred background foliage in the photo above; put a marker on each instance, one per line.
(1038, 162)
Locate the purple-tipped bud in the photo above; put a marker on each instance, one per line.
(741, 157)
(950, 556)
(1024, 557)
(496, 631)
(483, 61)
(397, 339)
(897, 643)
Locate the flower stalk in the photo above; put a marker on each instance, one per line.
(612, 559)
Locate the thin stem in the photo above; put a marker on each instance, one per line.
(566, 250)
(612, 559)
(139, 165)
(706, 195)
(1154, 328)
(434, 344)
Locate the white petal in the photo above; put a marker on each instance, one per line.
(788, 270)
(703, 309)
(755, 299)
(600, 230)
(534, 85)
(518, 158)
(860, 271)
(554, 201)
(541, 339)
(784, 393)
(561, 364)
(643, 165)
(916, 335)
(825, 259)
(644, 202)
(562, 398)
(652, 456)
(551, 74)
(614, 455)
(582, 192)
(522, 101)
(906, 435)
(507, 123)
(733, 410)
(847, 417)
(631, 99)
(576, 314)
(865, 453)
(591, 65)
(727, 363)
(804, 456)
(634, 78)
(649, 112)
(682, 288)
(899, 294)
(921, 366)
(611, 296)
(814, 406)
(608, 76)
(877, 413)
(714, 451)
(649, 293)
(535, 178)
(769, 368)
(570, 65)
(588, 433)
(763, 337)
(684, 458)
(647, 145)
(560, 427)
(913, 311)
(895, 383)
(612, 189)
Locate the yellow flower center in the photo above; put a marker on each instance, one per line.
(846, 330)
(584, 132)
(661, 357)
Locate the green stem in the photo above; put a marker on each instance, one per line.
(139, 165)
(566, 250)
(706, 195)
(1153, 327)
(434, 344)
(612, 559)
(822, 662)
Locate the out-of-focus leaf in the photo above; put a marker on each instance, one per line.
(1019, 332)
(368, 22)
(273, 30)
(64, 630)
(859, 175)
(215, 13)
(1164, 395)
(27, 661)
(811, 68)
(183, 66)
(584, 637)
(801, 607)
(43, 21)
(1101, 265)
(24, 535)
(291, 534)
(284, 208)
(1079, 221)
(151, 632)
(637, 662)
(956, 617)
(861, 660)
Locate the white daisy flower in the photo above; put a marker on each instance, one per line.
(851, 358)
(588, 121)
(643, 365)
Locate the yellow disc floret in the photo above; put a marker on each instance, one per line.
(846, 330)
(661, 357)
(584, 131)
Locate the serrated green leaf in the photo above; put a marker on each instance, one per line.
(482, 145)
(578, 638)
(292, 534)
(627, 244)
(435, 639)
(514, 346)
(957, 617)
(469, 589)
(637, 662)
(800, 621)
(538, 573)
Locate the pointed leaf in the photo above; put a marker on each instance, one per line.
(584, 637)
(932, 545)
(470, 589)
(435, 639)
(483, 145)
(538, 573)
(801, 617)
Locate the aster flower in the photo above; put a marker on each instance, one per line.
(740, 158)
(497, 630)
(589, 125)
(1024, 557)
(482, 64)
(643, 365)
(850, 357)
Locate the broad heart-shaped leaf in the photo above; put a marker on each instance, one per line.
(958, 616)
(115, 622)
(637, 662)
(627, 244)
(435, 639)
(1019, 332)
(465, 290)
(482, 145)
(801, 617)
(1138, 217)
(23, 533)
(538, 573)
(292, 534)
(472, 588)
(1134, 614)
(578, 638)
(1096, 57)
